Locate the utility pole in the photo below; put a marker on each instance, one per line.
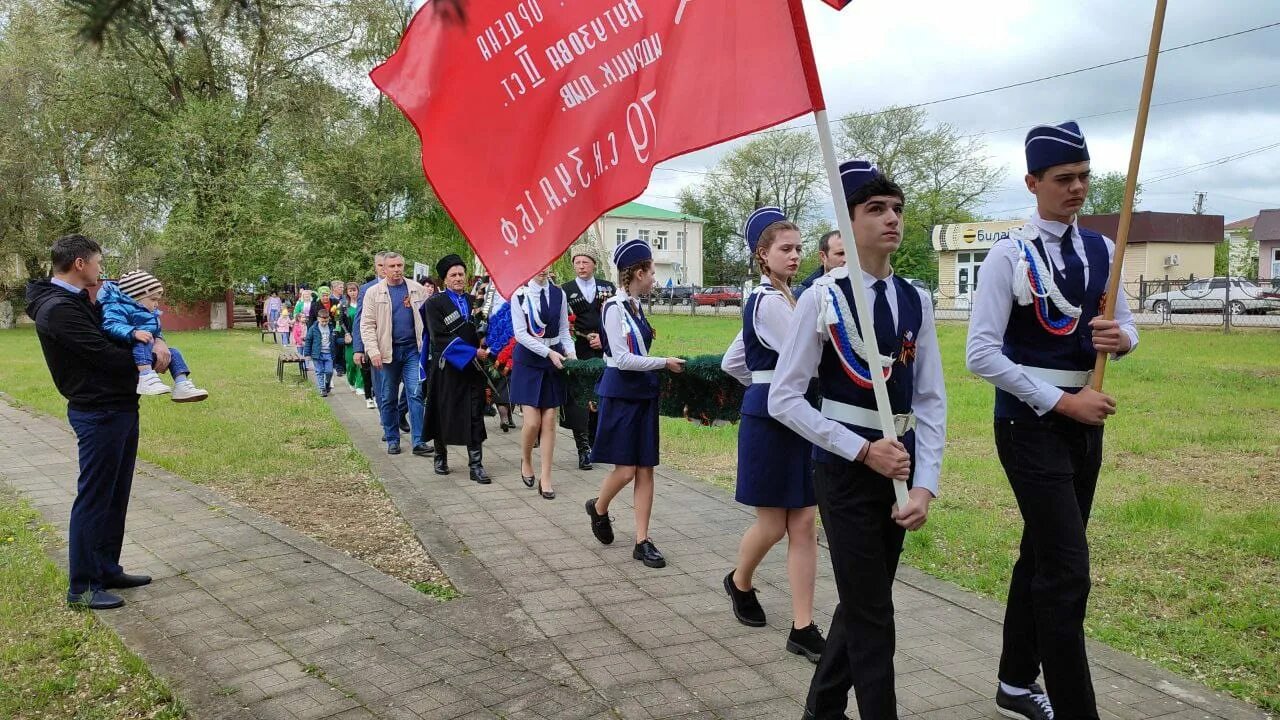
(1198, 207)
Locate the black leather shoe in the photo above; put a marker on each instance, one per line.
(810, 716)
(546, 494)
(1034, 705)
(442, 458)
(807, 642)
(528, 480)
(745, 605)
(393, 448)
(601, 527)
(475, 462)
(423, 450)
(125, 580)
(584, 461)
(404, 425)
(648, 554)
(94, 600)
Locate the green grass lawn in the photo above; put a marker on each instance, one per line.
(1185, 532)
(56, 662)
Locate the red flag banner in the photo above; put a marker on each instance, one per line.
(838, 4)
(538, 116)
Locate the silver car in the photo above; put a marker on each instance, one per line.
(1210, 295)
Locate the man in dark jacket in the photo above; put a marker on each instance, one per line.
(586, 295)
(830, 254)
(99, 380)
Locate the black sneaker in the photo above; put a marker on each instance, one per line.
(647, 553)
(423, 450)
(807, 642)
(393, 448)
(600, 525)
(1031, 706)
(745, 606)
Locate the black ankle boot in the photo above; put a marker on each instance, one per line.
(442, 459)
(475, 456)
(584, 450)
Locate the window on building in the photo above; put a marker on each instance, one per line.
(660, 242)
(680, 239)
(643, 235)
(622, 235)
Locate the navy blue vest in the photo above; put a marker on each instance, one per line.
(555, 300)
(836, 384)
(759, 358)
(628, 384)
(1026, 342)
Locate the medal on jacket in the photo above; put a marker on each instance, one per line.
(407, 303)
(836, 321)
(907, 354)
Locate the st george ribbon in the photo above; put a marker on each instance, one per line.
(538, 116)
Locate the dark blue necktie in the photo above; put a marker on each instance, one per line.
(1072, 271)
(544, 305)
(886, 329)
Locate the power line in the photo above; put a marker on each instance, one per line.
(1033, 81)
(1179, 172)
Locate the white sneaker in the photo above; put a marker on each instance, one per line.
(186, 391)
(357, 391)
(370, 404)
(151, 384)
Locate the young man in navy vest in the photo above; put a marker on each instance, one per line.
(854, 464)
(1034, 333)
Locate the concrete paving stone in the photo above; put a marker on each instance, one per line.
(656, 699)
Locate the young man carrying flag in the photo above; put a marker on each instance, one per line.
(855, 465)
(1034, 333)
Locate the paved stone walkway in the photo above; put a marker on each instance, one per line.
(249, 619)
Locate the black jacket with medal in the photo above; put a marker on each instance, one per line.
(587, 317)
(455, 398)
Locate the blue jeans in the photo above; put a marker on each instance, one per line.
(403, 369)
(322, 366)
(144, 354)
(108, 448)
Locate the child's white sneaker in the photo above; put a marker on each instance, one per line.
(370, 404)
(151, 384)
(186, 391)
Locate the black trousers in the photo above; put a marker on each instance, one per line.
(108, 447)
(582, 421)
(1052, 464)
(865, 543)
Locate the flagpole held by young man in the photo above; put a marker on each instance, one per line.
(844, 223)
(1130, 186)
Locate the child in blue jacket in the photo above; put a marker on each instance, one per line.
(131, 314)
(320, 348)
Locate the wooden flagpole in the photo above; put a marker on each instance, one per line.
(1130, 186)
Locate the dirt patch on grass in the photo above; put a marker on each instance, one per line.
(1223, 474)
(349, 513)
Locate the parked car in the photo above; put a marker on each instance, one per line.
(674, 295)
(925, 287)
(1210, 294)
(718, 295)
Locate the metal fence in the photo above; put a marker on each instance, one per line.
(1171, 302)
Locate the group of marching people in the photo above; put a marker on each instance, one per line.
(809, 440)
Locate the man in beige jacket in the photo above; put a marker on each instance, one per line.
(391, 324)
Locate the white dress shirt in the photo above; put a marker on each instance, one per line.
(800, 355)
(519, 324)
(588, 288)
(773, 317)
(993, 302)
(615, 332)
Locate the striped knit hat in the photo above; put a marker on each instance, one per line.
(139, 284)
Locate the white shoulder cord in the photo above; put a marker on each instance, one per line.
(1024, 242)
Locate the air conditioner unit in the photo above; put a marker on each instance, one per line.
(1171, 260)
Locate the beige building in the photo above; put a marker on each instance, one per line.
(676, 239)
(1175, 245)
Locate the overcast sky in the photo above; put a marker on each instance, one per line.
(874, 54)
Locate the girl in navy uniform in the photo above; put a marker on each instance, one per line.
(1034, 333)
(540, 319)
(853, 463)
(627, 434)
(775, 469)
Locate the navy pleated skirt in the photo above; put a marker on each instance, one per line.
(775, 465)
(537, 387)
(627, 432)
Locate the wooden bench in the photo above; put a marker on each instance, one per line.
(265, 333)
(286, 358)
